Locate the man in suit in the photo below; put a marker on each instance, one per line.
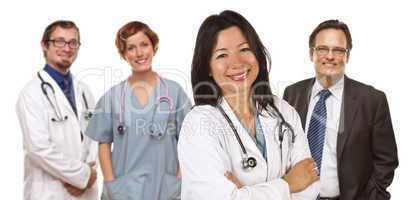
(347, 123)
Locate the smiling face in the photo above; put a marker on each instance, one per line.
(233, 64)
(139, 52)
(61, 58)
(329, 65)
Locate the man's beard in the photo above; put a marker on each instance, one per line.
(64, 65)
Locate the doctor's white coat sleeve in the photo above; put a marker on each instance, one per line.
(204, 162)
(39, 147)
(300, 151)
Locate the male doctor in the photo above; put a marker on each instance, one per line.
(53, 109)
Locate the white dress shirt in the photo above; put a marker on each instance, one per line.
(328, 176)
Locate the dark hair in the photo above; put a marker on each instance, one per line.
(65, 24)
(331, 24)
(205, 89)
(130, 29)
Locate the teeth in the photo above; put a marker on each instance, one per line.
(141, 61)
(239, 77)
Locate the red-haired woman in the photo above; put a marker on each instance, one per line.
(141, 119)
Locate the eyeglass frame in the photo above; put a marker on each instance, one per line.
(66, 43)
(341, 52)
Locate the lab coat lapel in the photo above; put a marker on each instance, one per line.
(61, 99)
(79, 100)
(247, 141)
(269, 125)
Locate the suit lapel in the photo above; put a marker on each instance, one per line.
(348, 111)
(304, 101)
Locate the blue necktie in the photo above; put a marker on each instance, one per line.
(67, 90)
(317, 128)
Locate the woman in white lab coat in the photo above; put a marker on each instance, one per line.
(240, 141)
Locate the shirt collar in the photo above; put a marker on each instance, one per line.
(57, 76)
(336, 90)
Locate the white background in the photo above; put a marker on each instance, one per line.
(383, 37)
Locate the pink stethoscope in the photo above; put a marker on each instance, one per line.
(160, 99)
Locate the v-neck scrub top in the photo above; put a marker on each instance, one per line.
(144, 165)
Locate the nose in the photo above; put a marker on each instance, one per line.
(330, 55)
(66, 47)
(235, 61)
(138, 52)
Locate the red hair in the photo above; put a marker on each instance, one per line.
(130, 29)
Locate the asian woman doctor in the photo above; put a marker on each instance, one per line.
(240, 141)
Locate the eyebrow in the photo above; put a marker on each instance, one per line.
(335, 47)
(57, 38)
(243, 44)
(224, 49)
(62, 38)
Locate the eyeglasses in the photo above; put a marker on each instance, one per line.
(73, 44)
(336, 51)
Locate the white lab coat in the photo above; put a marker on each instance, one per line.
(54, 152)
(208, 147)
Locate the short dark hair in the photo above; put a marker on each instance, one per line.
(331, 24)
(203, 92)
(130, 29)
(66, 24)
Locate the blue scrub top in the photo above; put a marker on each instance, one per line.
(259, 138)
(144, 165)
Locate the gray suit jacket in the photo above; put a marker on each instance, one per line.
(366, 148)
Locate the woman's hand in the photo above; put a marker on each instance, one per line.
(235, 180)
(302, 175)
(178, 172)
(104, 153)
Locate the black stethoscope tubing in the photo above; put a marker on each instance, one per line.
(56, 108)
(280, 136)
(233, 129)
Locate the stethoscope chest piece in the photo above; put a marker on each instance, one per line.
(88, 115)
(249, 163)
(154, 133)
(121, 129)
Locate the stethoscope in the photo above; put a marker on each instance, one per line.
(160, 99)
(249, 162)
(44, 85)
(284, 128)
